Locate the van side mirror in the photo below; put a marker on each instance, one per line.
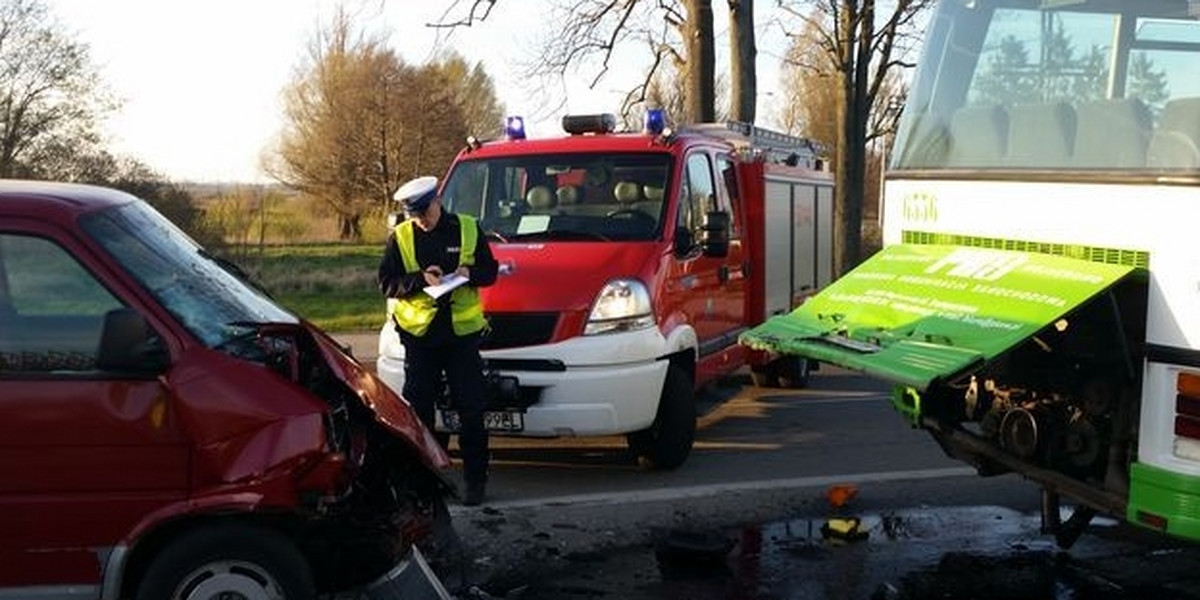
(714, 233)
(129, 345)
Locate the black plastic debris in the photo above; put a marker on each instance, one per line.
(412, 579)
(693, 555)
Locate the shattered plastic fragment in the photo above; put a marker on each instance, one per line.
(844, 529)
(838, 495)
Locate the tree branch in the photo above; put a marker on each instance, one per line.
(479, 12)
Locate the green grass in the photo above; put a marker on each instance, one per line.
(332, 285)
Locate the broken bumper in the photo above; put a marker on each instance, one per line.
(411, 579)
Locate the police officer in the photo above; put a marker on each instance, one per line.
(441, 336)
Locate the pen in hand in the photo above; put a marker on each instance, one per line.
(433, 275)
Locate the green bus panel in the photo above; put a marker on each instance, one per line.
(916, 314)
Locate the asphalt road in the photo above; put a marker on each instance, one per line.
(840, 428)
(577, 518)
(761, 456)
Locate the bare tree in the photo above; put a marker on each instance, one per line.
(862, 51)
(335, 105)
(475, 95)
(701, 61)
(434, 125)
(677, 34)
(51, 96)
(742, 60)
(810, 89)
(664, 92)
(234, 213)
(360, 121)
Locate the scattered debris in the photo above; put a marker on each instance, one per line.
(844, 529)
(476, 593)
(412, 579)
(692, 555)
(838, 495)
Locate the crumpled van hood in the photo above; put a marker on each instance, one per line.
(391, 411)
(251, 421)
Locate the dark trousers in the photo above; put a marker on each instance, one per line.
(459, 359)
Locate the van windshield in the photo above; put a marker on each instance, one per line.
(209, 300)
(567, 197)
(1083, 85)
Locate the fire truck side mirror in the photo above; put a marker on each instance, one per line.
(685, 242)
(714, 233)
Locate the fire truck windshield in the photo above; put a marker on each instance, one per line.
(563, 197)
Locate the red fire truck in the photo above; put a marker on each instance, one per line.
(629, 264)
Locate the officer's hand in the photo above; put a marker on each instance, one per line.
(433, 275)
(464, 271)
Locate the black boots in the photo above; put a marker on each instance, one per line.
(475, 493)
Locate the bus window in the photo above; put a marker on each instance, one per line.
(1080, 86)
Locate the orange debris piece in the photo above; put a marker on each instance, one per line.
(838, 495)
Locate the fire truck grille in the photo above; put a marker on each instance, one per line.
(516, 330)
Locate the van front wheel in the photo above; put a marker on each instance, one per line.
(668, 441)
(228, 561)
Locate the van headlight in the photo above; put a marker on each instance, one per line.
(623, 305)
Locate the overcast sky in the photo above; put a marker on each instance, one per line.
(201, 81)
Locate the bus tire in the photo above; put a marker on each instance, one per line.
(667, 443)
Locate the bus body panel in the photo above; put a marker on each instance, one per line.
(1069, 129)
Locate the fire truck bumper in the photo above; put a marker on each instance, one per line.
(597, 385)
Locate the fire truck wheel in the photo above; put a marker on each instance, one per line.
(793, 371)
(228, 561)
(668, 441)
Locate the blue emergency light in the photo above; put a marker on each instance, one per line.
(514, 128)
(655, 122)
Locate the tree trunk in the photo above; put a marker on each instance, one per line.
(861, 109)
(701, 62)
(351, 228)
(851, 150)
(742, 60)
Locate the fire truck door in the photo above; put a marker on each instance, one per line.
(712, 286)
(734, 284)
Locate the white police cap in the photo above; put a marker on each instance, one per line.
(417, 193)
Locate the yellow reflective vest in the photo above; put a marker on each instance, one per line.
(415, 312)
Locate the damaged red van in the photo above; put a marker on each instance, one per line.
(169, 432)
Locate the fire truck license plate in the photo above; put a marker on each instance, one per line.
(492, 420)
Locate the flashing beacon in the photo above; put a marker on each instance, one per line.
(514, 128)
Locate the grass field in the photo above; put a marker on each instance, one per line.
(332, 285)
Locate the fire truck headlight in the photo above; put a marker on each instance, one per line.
(623, 305)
